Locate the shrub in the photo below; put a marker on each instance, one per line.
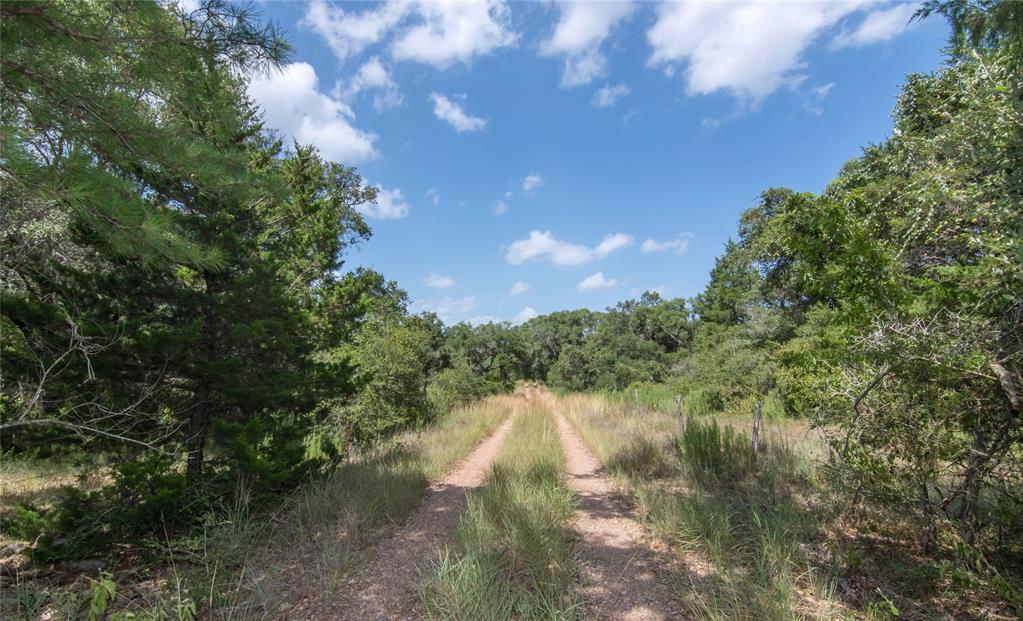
(703, 400)
(453, 387)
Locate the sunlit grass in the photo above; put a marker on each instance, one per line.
(333, 518)
(735, 524)
(252, 565)
(511, 555)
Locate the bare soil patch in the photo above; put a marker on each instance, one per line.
(623, 579)
(385, 590)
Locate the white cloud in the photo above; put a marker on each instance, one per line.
(389, 205)
(613, 242)
(747, 49)
(679, 245)
(348, 33)
(293, 103)
(453, 113)
(582, 29)
(455, 31)
(596, 281)
(583, 68)
(608, 95)
(374, 76)
(508, 195)
(823, 90)
(812, 101)
(435, 33)
(439, 281)
(524, 315)
(433, 196)
(881, 25)
(542, 245)
(500, 207)
(531, 182)
(518, 288)
(448, 308)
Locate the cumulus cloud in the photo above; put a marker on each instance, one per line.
(524, 315)
(877, 26)
(455, 115)
(748, 49)
(389, 205)
(519, 288)
(607, 95)
(439, 281)
(581, 30)
(293, 103)
(531, 182)
(500, 208)
(596, 281)
(678, 245)
(447, 308)
(452, 32)
(374, 76)
(435, 33)
(348, 32)
(541, 245)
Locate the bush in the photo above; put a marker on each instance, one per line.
(703, 400)
(453, 387)
(147, 498)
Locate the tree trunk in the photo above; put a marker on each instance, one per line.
(970, 490)
(199, 421)
(198, 430)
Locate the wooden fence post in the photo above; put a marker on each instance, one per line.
(678, 412)
(756, 430)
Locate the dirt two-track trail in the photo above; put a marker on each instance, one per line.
(386, 589)
(622, 578)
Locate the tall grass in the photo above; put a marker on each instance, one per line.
(736, 524)
(254, 565)
(318, 538)
(511, 557)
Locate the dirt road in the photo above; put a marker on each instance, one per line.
(386, 588)
(620, 578)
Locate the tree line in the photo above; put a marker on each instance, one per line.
(175, 296)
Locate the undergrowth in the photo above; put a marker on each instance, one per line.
(240, 563)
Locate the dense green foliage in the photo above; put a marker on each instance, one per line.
(889, 308)
(174, 293)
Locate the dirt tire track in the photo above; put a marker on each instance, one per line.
(385, 590)
(620, 573)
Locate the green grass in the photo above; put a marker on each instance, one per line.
(252, 565)
(778, 538)
(736, 525)
(511, 557)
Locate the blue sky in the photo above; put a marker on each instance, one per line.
(534, 157)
